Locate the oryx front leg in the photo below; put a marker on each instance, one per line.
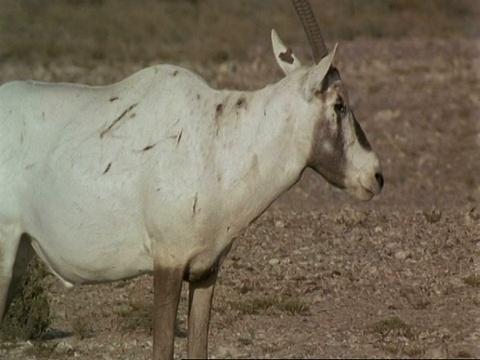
(167, 287)
(200, 301)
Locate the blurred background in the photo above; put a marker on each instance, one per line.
(87, 32)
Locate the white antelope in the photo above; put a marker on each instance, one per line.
(159, 173)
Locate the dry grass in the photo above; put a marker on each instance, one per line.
(392, 326)
(41, 351)
(472, 280)
(293, 306)
(258, 306)
(464, 355)
(138, 315)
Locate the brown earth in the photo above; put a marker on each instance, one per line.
(320, 275)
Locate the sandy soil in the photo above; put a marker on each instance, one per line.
(320, 275)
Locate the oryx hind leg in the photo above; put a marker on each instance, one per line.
(199, 305)
(15, 253)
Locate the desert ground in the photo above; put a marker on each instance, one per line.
(318, 275)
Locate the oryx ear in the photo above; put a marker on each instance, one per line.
(284, 56)
(316, 74)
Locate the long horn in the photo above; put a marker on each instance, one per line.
(310, 25)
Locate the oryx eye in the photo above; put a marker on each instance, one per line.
(340, 107)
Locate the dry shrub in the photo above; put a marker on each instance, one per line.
(29, 314)
(393, 326)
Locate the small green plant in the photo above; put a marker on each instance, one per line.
(432, 216)
(293, 306)
(472, 280)
(397, 350)
(245, 341)
(256, 306)
(413, 351)
(253, 307)
(421, 304)
(390, 349)
(462, 354)
(392, 325)
(82, 328)
(137, 316)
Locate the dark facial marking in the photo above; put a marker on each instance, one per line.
(113, 98)
(175, 73)
(340, 109)
(286, 56)
(362, 139)
(331, 165)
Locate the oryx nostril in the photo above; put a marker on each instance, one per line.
(379, 178)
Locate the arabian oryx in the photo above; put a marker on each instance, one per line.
(159, 173)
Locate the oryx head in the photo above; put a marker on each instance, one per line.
(339, 149)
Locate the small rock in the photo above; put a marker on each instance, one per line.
(439, 351)
(472, 217)
(279, 224)
(227, 351)
(391, 245)
(64, 347)
(274, 262)
(456, 282)
(401, 254)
